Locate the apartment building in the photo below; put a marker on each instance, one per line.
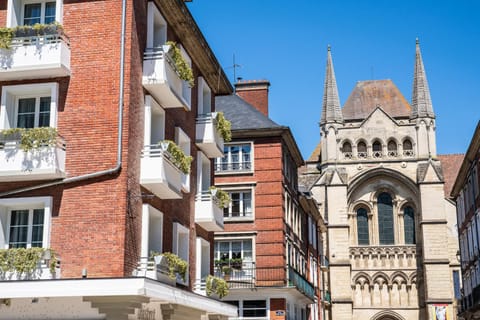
(270, 249)
(107, 137)
(466, 194)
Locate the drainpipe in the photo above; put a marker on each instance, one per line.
(120, 127)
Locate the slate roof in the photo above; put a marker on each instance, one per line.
(368, 95)
(243, 115)
(451, 164)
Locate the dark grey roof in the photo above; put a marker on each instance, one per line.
(241, 114)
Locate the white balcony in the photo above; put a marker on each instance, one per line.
(43, 271)
(157, 270)
(208, 139)
(44, 163)
(159, 175)
(161, 79)
(33, 57)
(208, 214)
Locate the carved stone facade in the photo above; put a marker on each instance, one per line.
(391, 238)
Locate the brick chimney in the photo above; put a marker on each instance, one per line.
(255, 92)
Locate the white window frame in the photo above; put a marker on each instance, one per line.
(204, 97)
(184, 143)
(232, 239)
(15, 11)
(155, 20)
(202, 260)
(9, 204)
(154, 121)
(241, 308)
(240, 189)
(219, 163)
(179, 232)
(11, 94)
(148, 214)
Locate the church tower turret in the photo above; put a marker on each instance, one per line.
(332, 116)
(422, 110)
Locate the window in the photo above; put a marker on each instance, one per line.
(362, 150)
(43, 12)
(254, 308)
(407, 148)
(385, 219)
(377, 149)
(27, 222)
(152, 230)
(234, 249)
(240, 205)
(362, 227)
(183, 142)
(180, 241)
(392, 148)
(347, 150)
(30, 12)
(409, 225)
(236, 158)
(29, 106)
(204, 97)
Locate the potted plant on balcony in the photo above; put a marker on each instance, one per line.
(184, 70)
(216, 285)
(224, 127)
(178, 157)
(24, 261)
(176, 265)
(236, 263)
(221, 197)
(227, 271)
(31, 139)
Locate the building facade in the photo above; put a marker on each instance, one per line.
(102, 105)
(466, 194)
(378, 180)
(271, 250)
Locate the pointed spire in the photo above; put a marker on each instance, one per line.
(331, 111)
(421, 102)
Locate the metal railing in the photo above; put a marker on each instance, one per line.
(50, 35)
(157, 53)
(297, 280)
(233, 166)
(13, 142)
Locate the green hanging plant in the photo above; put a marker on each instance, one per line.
(184, 70)
(224, 127)
(179, 158)
(38, 29)
(24, 260)
(6, 36)
(222, 198)
(216, 285)
(31, 139)
(176, 265)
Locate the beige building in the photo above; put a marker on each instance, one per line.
(376, 176)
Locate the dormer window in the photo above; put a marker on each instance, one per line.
(392, 149)
(347, 150)
(377, 149)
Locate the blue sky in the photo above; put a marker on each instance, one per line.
(286, 43)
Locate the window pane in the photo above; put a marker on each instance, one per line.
(254, 308)
(224, 250)
(18, 229)
(235, 156)
(409, 225)
(362, 227)
(385, 219)
(235, 197)
(26, 113)
(362, 147)
(247, 250)
(37, 227)
(32, 14)
(247, 204)
(236, 249)
(49, 12)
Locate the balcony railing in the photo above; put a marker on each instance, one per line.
(232, 167)
(43, 163)
(43, 271)
(297, 280)
(36, 56)
(249, 276)
(160, 78)
(208, 213)
(148, 268)
(207, 136)
(158, 173)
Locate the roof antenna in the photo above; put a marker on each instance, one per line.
(234, 66)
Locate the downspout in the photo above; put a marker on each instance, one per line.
(120, 127)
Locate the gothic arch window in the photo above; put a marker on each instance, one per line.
(385, 219)
(409, 225)
(362, 227)
(407, 148)
(362, 150)
(347, 150)
(377, 149)
(392, 148)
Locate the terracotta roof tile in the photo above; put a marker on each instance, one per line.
(315, 155)
(451, 165)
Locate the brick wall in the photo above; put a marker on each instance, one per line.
(255, 92)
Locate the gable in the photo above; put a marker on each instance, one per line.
(379, 119)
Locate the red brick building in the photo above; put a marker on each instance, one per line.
(270, 250)
(95, 93)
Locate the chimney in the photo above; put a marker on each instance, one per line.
(255, 92)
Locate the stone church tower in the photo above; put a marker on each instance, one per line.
(380, 185)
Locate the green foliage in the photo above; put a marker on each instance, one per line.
(31, 139)
(227, 270)
(175, 264)
(24, 260)
(38, 29)
(222, 198)
(179, 158)
(216, 285)
(224, 127)
(184, 71)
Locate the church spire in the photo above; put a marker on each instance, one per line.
(331, 103)
(421, 102)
